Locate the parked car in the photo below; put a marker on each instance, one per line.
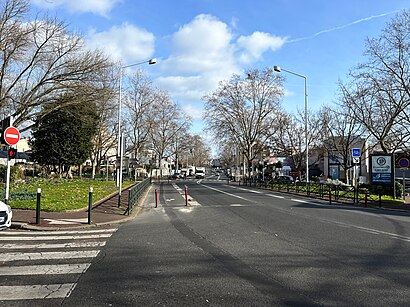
(284, 179)
(5, 215)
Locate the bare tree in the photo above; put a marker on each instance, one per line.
(106, 131)
(379, 93)
(41, 61)
(168, 122)
(340, 132)
(199, 151)
(244, 110)
(289, 139)
(139, 107)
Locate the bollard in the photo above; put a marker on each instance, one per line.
(38, 206)
(90, 204)
(156, 198)
(186, 196)
(365, 200)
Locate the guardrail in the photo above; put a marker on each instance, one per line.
(135, 193)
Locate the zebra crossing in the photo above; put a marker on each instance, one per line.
(46, 265)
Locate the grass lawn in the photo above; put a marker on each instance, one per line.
(59, 195)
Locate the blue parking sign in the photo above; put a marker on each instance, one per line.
(356, 152)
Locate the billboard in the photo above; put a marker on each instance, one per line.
(381, 169)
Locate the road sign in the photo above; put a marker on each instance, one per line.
(404, 163)
(11, 135)
(356, 152)
(356, 160)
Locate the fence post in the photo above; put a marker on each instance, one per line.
(90, 204)
(38, 206)
(330, 195)
(186, 196)
(129, 202)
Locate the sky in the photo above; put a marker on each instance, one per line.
(198, 43)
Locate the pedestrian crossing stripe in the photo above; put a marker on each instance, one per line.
(6, 257)
(57, 232)
(11, 293)
(51, 238)
(44, 246)
(54, 246)
(46, 269)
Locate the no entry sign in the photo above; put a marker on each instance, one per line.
(12, 135)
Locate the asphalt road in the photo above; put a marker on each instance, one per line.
(238, 247)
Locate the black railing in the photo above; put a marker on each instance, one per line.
(135, 193)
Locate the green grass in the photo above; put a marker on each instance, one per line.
(60, 195)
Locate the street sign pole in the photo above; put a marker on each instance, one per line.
(356, 153)
(8, 166)
(7, 180)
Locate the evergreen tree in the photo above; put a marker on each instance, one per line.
(63, 136)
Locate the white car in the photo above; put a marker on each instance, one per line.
(5, 215)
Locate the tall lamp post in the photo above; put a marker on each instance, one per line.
(120, 133)
(279, 69)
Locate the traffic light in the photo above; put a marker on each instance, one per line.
(12, 153)
(4, 124)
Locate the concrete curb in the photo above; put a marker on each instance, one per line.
(137, 209)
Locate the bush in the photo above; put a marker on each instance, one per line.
(16, 173)
(385, 190)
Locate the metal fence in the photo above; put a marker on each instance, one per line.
(135, 193)
(330, 192)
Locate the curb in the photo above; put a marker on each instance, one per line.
(137, 209)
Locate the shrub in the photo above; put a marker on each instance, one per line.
(15, 173)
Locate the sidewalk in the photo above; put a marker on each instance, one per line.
(104, 212)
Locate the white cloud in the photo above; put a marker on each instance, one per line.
(99, 7)
(258, 43)
(139, 43)
(193, 111)
(202, 55)
(204, 44)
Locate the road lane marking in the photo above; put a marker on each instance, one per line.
(276, 196)
(57, 269)
(247, 190)
(191, 201)
(223, 192)
(299, 200)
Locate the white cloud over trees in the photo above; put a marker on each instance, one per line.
(123, 43)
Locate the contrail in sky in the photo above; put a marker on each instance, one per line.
(340, 27)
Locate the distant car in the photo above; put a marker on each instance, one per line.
(176, 176)
(200, 174)
(5, 215)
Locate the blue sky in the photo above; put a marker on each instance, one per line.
(201, 42)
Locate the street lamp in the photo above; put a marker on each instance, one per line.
(279, 69)
(120, 134)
